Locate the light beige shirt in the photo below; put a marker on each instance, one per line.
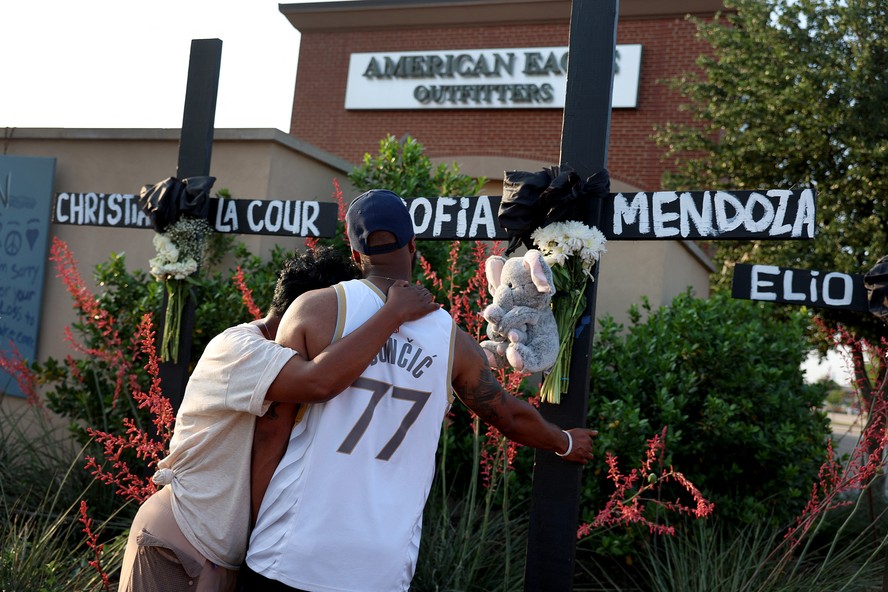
(210, 449)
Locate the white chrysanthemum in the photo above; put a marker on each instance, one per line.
(181, 269)
(562, 240)
(166, 249)
(555, 256)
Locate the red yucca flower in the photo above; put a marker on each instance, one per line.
(312, 242)
(16, 366)
(92, 541)
(836, 480)
(112, 351)
(642, 487)
(497, 452)
(129, 483)
(246, 294)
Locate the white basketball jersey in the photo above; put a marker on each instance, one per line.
(343, 511)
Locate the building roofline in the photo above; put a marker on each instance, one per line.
(699, 254)
(172, 135)
(399, 14)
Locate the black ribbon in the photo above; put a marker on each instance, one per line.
(535, 200)
(171, 199)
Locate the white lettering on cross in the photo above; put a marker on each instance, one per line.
(115, 214)
(847, 289)
(805, 215)
(757, 284)
(702, 220)
(636, 212)
(440, 215)
(780, 215)
(292, 211)
(274, 214)
(788, 294)
(723, 199)
(310, 212)
(60, 216)
(765, 222)
(226, 215)
(461, 224)
(666, 214)
(255, 225)
(483, 215)
(662, 198)
(425, 205)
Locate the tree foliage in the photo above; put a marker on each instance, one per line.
(793, 95)
(402, 166)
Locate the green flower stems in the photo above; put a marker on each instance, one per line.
(177, 294)
(568, 305)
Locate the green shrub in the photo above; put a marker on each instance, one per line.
(724, 377)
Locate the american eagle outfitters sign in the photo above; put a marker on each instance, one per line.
(514, 78)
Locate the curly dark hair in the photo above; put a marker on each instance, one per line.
(316, 268)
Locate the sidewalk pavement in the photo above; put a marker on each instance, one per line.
(846, 429)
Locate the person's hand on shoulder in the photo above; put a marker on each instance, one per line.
(410, 301)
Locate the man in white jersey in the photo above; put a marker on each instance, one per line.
(192, 534)
(343, 511)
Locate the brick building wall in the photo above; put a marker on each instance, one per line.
(319, 117)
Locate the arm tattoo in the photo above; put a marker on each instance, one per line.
(484, 395)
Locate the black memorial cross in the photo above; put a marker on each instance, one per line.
(775, 214)
(195, 153)
(555, 501)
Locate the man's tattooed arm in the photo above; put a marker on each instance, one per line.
(518, 420)
(477, 387)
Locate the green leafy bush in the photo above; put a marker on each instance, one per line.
(724, 377)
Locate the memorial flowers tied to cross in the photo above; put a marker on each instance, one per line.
(571, 249)
(540, 209)
(178, 211)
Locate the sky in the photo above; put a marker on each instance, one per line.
(124, 64)
(836, 366)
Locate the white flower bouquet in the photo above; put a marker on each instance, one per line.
(179, 252)
(571, 249)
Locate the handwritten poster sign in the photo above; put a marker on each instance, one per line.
(25, 205)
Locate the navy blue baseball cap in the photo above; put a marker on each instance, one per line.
(374, 211)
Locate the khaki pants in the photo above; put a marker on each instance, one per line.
(159, 558)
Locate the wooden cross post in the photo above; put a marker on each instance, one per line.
(195, 153)
(555, 502)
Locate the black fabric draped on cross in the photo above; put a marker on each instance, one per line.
(172, 198)
(535, 200)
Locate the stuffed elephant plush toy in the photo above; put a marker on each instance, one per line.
(521, 327)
